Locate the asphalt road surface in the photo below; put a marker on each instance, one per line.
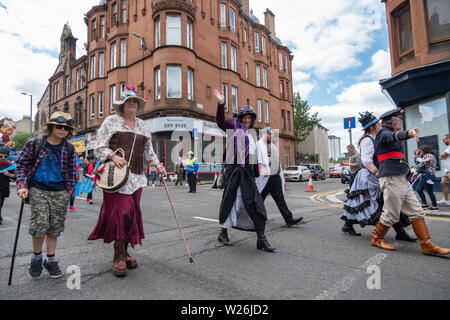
(314, 260)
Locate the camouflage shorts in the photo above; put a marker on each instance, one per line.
(48, 212)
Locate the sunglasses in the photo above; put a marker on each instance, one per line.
(61, 119)
(60, 127)
(2, 156)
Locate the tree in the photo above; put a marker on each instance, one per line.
(20, 138)
(304, 123)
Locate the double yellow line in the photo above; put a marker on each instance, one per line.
(321, 198)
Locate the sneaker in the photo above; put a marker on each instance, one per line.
(443, 202)
(434, 208)
(35, 267)
(425, 206)
(72, 208)
(53, 269)
(429, 181)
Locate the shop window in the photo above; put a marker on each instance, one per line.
(431, 119)
(438, 20)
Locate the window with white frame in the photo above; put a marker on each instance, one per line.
(101, 64)
(78, 79)
(263, 45)
(287, 157)
(224, 56)
(122, 89)
(92, 67)
(123, 13)
(123, 52)
(114, 13)
(266, 111)
(112, 97)
(233, 58)
(67, 90)
(245, 35)
(232, 20)
(157, 83)
(285, 64)
(259, 103)
(258, 75)
(281, 89)
(92, 106)
(113, 55)
(94, 29)
(256, 41)
(190, 87)
(223, 15)
(190, 34)
(265, 77)
(173, 29)
(56, 92)
(100, 104)
(225, 94)
(234, 99)
(173, 81)
(157, 33)
(283, 120)
(102, 26)
(246, 70)
(280, 55)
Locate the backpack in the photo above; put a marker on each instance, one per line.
(39, 142)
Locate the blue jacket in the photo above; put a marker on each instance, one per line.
(192, 166)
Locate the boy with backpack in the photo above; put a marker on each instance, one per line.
(46, 177)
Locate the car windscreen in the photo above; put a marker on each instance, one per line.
(292, 168)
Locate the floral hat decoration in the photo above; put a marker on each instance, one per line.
(129, 93)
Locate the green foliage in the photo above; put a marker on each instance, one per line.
(20, 138)
(304, 123)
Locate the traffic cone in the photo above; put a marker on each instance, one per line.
(310, 185)
(284, 184)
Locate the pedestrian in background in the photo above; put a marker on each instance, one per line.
(191, 172)
(179, 169)
(47, 177)
(354, 161)
(88, 171)
(446, 176)
(426, 167)
(5, 177)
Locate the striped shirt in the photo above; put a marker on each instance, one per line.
(24, 171)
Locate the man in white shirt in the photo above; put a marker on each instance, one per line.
(270, 179)
(446, 176)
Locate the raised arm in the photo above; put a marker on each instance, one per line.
(220, 115)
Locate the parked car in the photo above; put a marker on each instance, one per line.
(297, 173)
(336, 172)
(346, 175)
(316, 171)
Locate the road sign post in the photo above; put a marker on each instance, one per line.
(350, 123)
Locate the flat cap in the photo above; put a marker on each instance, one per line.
(392, 113)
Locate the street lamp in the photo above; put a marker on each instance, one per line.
(144, 49)
(31, 111)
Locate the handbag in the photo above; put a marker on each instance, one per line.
(110, 177)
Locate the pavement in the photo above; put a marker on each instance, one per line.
(315, 260)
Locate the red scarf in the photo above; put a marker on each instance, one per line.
(3, 162)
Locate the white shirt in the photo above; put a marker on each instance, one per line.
(367, 150)
(447, 160)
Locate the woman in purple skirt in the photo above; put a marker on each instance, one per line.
(120, 217)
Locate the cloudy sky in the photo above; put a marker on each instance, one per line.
(341, 52)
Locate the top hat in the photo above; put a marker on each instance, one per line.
(392, 113)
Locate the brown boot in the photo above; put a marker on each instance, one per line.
(131, 262)
(377, 239)
(428, 247)
(119, 264)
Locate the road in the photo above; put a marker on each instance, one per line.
(314, 260)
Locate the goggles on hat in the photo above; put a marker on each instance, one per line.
(61, 119)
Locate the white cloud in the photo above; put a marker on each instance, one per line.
(380, 68)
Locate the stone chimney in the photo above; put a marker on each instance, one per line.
(269, 21)
(246, 7)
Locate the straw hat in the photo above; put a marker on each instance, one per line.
(61, 118)
(127, 94)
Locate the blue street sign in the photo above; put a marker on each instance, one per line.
(350, 123)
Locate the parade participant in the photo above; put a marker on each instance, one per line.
(179, 169)
(45, 173)
(270, 180)
(242, 206)
(446, 176)
(88, 171)
(191, 172)
(7, 127)
(426, 168)
(120, 219)
(365, 199)
(398, 194)
(5, 177)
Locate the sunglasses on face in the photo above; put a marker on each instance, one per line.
(61, 119)
(60, 127)
(3, 157)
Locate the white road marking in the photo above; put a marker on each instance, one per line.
(206, 219)
(333, 197)
(344, 284)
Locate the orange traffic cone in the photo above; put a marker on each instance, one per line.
(310, 185)
(284, 184)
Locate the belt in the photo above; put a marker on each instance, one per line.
(389, 155)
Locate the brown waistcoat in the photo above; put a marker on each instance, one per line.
(124, 140)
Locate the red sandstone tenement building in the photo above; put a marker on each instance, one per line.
(175, 52)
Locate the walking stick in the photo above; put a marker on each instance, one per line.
(15, 242)
(178, 222)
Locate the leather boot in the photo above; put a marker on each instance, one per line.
(293, 221)
(119, 264)
(262, 243)
(377, 239)
(401, 233)
(130, 261)
(348, 228)
(428, 247)
(223, 237)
